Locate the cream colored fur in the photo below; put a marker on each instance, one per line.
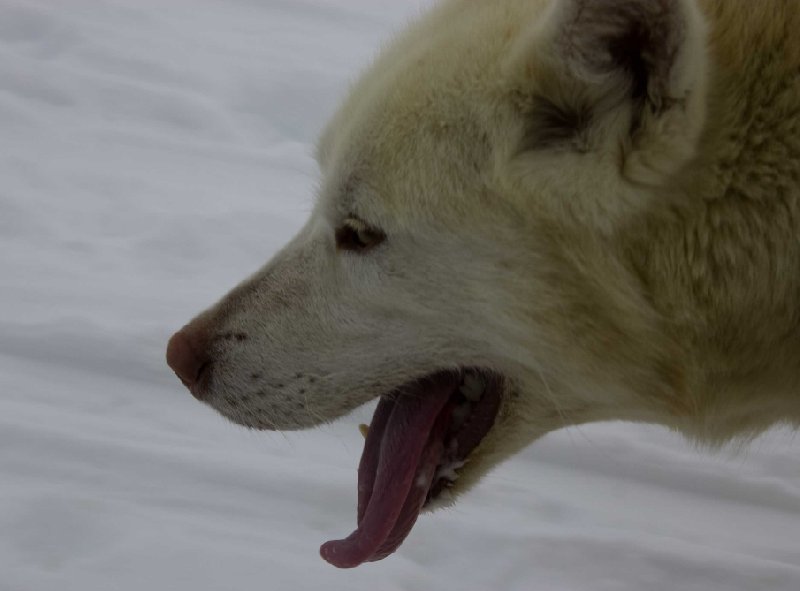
(616, 252)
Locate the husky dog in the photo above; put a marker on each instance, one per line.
(532, 214)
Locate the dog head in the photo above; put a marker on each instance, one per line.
(472, 185)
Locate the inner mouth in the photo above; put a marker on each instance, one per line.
(420, 437)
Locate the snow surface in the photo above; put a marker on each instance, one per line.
(152, 154)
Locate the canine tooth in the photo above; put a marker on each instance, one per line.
(364, 429)
(472, 388)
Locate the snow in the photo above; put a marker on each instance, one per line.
(155, 152)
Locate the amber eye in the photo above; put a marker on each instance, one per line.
(354, 235)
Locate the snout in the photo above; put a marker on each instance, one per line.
(187, 355)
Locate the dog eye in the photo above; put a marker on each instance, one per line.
(354, 235)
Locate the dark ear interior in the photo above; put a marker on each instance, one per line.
(634, 42)
(628, 52)
(610, 57)
(625, 80)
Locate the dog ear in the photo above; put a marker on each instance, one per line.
(611, 75)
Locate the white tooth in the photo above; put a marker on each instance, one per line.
(364, 429)
(472, 388)
(449, 471)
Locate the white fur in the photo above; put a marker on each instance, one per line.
(645, 267)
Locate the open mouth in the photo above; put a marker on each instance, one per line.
(420, 436)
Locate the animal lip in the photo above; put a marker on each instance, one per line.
(419, 437)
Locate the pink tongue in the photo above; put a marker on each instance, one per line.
(403, 448)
